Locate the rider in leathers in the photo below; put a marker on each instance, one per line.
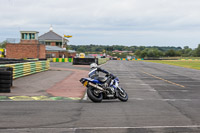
(94, 74)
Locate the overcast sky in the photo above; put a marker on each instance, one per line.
(106, 22)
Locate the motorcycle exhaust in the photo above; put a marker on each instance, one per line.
(96, 86)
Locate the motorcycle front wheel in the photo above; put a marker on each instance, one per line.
(122, 95)
(93, 95)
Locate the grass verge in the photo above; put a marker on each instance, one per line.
(186, 64)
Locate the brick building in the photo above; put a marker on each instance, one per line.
(53, 39)
(28, 47)
(48, 45)
(55, 45)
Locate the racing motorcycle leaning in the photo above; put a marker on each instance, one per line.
(97, 90)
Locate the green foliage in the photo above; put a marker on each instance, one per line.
(138, 51)
(3, 44)
(197, 51)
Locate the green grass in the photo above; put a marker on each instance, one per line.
(186, 64)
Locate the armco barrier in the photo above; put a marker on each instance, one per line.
(23, 69)
(84, 61)
(61, 59)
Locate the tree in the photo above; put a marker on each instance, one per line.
(81, 49)
(197, 51)
(143, 53)
(138, 53)
(170, 53)
(186, 52)
(3, 44)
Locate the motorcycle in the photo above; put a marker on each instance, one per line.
(97, 91)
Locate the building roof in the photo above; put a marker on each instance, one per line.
(50, 36)
(29, 31)
(117, 51)
(54, 48)
(71, 51)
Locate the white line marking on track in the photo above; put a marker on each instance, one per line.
(139, 99)
(175, 90)
(139, 127)
(85, 96)
(97, 128)
(142, 89)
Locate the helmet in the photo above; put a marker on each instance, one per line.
(93, 65)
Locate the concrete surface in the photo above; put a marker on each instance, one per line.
(62, 79)
(157, 104)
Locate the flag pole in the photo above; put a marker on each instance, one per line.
(62, 41)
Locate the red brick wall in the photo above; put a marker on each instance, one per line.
(57, 54)
(71, 54)
(22, 50)
(42, 51)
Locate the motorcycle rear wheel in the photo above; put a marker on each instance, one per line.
(122, 96)
(95, 97)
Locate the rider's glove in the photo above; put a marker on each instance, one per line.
(112, 76)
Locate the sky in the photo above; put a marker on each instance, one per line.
(106, 22)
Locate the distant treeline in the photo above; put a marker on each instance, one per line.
(138, 51)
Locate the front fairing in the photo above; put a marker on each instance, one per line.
(116, 83)
(90, 80)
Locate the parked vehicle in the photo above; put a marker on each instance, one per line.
(81, 55)
(2, 52)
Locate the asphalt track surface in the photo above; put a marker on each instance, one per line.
(162, 99)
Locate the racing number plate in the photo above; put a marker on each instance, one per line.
(85, 83)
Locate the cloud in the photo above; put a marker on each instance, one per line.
(103, 19)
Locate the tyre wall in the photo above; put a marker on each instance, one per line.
(27, 68)
(6, 78)
(61, 59)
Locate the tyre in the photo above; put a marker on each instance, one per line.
(5, 85)
(4, 77)
(6, 73)
(4, 90)
(5, 81)
(95, 97)
(122, 95)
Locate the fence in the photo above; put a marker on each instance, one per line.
(27, 68)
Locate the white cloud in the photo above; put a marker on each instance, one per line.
(140, 21)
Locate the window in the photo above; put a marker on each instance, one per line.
(32, 36)
(47, 43)
(29, 37)
(25, 36)
(22, 35)
(58, 44)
